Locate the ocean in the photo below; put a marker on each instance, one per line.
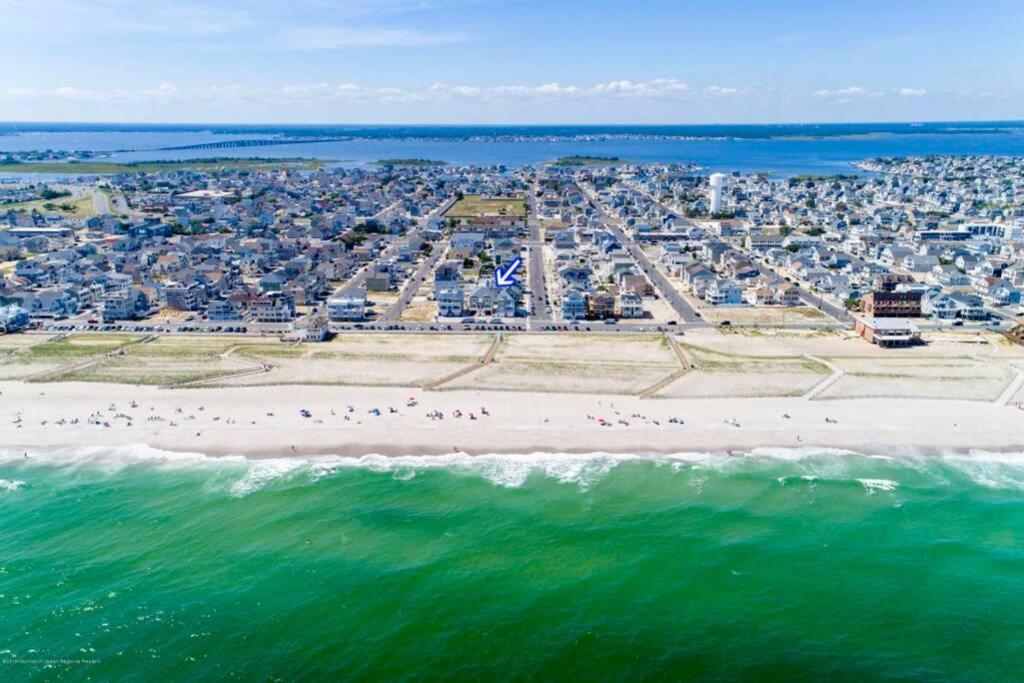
(785, 150)
(135, 564)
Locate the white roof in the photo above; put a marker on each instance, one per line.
(889, 324)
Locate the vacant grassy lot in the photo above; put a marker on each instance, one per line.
(167, 360)
(12, 342)
(965, 378)
(23, 356)
(723, 375)
(66, 206)
(476, 205)
(587, 161)
(409, 360)
(574, 364)
(76, 348)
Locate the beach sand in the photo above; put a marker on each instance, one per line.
(235, 421)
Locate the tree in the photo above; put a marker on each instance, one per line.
(47, 193)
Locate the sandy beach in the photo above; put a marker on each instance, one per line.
(422, 394)
(268, 422)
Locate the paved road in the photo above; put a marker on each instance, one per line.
(414, 282)
(810, 298)
(100, 202)
(668, 291)
(121, 204)
(386, 210)
(357, 281)
(412, 285)
(538, 287)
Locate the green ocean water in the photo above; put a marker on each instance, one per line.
(132, 564)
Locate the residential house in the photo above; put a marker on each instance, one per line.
(13, 319)
(127, 304)
(347, 307)
(601, 305)
(272, 307)
(723, 293)
(631, 305)
(450, 301)
(309, 328)
(574, 304)
(185, 296)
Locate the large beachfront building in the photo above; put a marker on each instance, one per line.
(892, 304)
(888, 332)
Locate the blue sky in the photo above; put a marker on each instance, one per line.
(510, 61)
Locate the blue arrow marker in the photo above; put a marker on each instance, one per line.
(503, 278)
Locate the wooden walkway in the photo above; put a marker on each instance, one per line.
(685, 367)
(486, 360)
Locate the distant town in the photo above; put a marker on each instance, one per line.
(579, 244)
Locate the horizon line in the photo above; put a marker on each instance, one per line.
(510, 125)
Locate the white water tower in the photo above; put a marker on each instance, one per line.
(717, 181)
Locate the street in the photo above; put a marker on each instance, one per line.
(668, 291)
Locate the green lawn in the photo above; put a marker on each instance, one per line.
(586, 161)
(410, 162)
(473, 205)
(77, 208)
(75, 348)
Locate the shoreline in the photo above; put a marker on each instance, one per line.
(237, 422)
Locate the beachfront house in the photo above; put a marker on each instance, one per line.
(223, 311)
(574, 304)
(723, 293)
(489, 300)
(447, 275)
(127, 304)
(602, 305)
(13, 319)
(189, 296)
(309, 328)
(450, 301)
(631, 305)
(272, 307)
(347, 307)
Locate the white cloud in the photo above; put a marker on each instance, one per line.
(719, 91)
(659, 87)
(844, 95)
(556, 89)
(669, 85)
(913, 92)
(168, 93)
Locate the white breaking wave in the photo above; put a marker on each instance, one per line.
(874, 485)
(10, 485)
(262, 472)
(241, 476)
